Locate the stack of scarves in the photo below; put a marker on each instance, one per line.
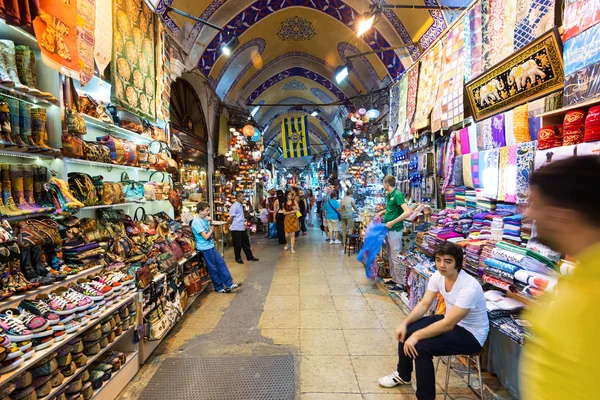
(548, 264)
(520, 124)
(472, 254)
(592, 125)
(512, 228)
(461, 201)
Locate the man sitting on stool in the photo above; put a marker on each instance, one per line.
(462, 330)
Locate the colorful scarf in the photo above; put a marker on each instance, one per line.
(490, 178)
(402, 100)
(503, 167)
(521, 124)
(472, 131)
(467, 173)
(429, 81)
(465, 144)
(511, 175)
(525, 162)
(485, 33)
(510, 20)
(498, 131)
(450, 94)
(476, 40)
(103, 34)
(495, 28)
(450, 156)
(393, 115)
(411, 97)
(534, 17)
(86, 25)
(56, 32)
(484, 135)
(476, 172)
(163, 83)
(509, 128)
(468, 62)
(458, 171)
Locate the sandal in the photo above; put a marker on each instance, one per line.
(285, 248)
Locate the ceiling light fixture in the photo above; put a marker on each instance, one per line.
(315, 112)
(228, 48)
(365, 24)
(342, 72)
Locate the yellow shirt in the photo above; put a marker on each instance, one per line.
(562, 360)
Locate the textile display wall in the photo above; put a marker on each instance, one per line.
(133, 70)
(86, 25)
(431, 71)
(103, 34)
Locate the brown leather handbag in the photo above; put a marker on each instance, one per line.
(38, 232)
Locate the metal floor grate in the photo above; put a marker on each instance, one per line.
(223, 378)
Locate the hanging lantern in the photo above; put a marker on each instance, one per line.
(248, 130)
(365, 119)
(236, 133)
(372, 114)
(256, 136)
(256, 155)
(361, 112)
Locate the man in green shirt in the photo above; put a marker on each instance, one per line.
(396, 211)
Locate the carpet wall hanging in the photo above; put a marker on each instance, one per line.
(394, 99)
(431, 71)
(533, 72)
(411, 97)
(103, 34)
(451, 89)
(401, 134)
(133, 70)
(56, 32)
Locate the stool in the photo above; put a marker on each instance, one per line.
(476, 357)
(351, 244)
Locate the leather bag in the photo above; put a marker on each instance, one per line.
(38, 232)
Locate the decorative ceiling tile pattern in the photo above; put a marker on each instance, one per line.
(296, 29)
(294, 85)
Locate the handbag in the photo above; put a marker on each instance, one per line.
(72, 146)
(94, 230)
(108, 192)
(132, 190)
(38, 232)
(129, 121)
(130, 226)
(121, 152)
(150, 191)
(176, 251)
(83, 188)
(98, 152)
(123, 246)
(143, 156)
(162, 188)
(111, 214)
(166, 262)
(174, 196)
(143, 275)
(73, 116)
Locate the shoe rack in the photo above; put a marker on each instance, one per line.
(49, 80)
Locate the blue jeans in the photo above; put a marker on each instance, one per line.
(217, 269)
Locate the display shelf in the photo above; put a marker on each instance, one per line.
(116, 130)
(68, 379)
(564, 110)
(43, 353)
(120, 379)
(17, 35)
(32, 99)
(69, 160)
(13, 300)
(26, 155)
(26, 216)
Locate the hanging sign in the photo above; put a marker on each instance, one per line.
(534, 71)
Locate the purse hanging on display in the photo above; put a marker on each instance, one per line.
(73, 116)
(162, 188)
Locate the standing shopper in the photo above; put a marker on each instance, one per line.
(319, 200)
(304, 211)
(279, 216)
(332, 214)
(270, 206)
(237, 221)
(203, 234)
(347, 206)
(291, 222)
(396, 211)
(560, 359)
(462, 330)
(311, 204)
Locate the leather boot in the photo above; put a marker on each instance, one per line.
(23, 59)
(38, 130)
(5, 279)
(40, 195)
(4, 122)
(7, 199)
(15, 172)
(8, 48)
(4, 77)
(20, 279)
(26, 267)
(28, 189)
(25, 126)
(41, 267)
(15, 130)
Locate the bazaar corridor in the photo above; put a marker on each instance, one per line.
(315, 308)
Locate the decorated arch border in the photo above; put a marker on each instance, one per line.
(258, 42)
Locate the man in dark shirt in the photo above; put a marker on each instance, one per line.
(396, 211)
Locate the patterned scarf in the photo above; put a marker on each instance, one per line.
(86, 25)
(490, 178)
(56, 32)
(465, 144)
(503, 166)
(467, 173)
(475, 20)
(528, 28)
(450, 158)
(402, 99)
(394, 99)
(510, 20)
(411, 97)
(525, 161)
(495, 29)
(498, 132)
(103, 34)
(431, 67)
(511, 175)
(450, 93)
(475, 172)
(521, 124)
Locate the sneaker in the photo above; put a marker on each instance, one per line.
(72, 326)
(38, 307)
(9, 365)
(234, 286)
(110, 280)
(28, 354)
(392, 380)
(107, 291)
(43, 343)
(337, 242)
(13, 328)
(82, 301)
(89, 291)
(331, 242)
(61, 306)
(32, 322)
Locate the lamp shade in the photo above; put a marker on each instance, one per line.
(248, 130)
(256, 136)
(372, 114)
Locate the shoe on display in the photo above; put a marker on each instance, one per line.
(112, 281)
(24, 346)
(89, 291)
(81, 301)
(60, 306)
(28, 354)
(42, 343)
(32, 322)
(67, 318)
(59, 336)
(72, 326)
(13, 328)
(9, 365)
(107, 291)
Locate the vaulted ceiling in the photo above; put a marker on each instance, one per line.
(289, 50)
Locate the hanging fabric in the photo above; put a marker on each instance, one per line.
(163, 87)
(431, 71)
(86, 25)
(394, 99)
(56, 32)
(450, 93)
(495, 29)
(511, 175)
(521, 124)
(525, 164)
(103, 34)
(411, 97)
(502, 168)
(527, 29)
(467, 173)
(475, 21)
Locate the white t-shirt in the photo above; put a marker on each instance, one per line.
(466, 293)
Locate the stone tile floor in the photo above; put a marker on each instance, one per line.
(316, 304)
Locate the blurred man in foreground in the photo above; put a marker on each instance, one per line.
(560, 362)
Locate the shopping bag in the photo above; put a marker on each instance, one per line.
(272, 230)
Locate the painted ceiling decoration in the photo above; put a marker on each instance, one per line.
(284, 57)
(344, 47)
(294, 85)
(260, 45)
(334, 8)
(297, 71)
(296, 29)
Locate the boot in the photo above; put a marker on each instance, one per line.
(9, 283)
(15, 172)
(33, 68)
(4, 122)
(15, 130)
(26, 267)
(23, 58)
(5, 289)
(25, 126)
(9, 203)
(41, 267)
(38, 129)
(40, 195)
(28, 189)
(4, 77)
(8, 50)
(20, 279)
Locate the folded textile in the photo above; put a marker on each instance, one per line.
(476, 173)
(498, 283)
(528, 252)
(499, 274)
(502, 265)
(467, 173)
(465, 144)
(540, 281)
(458, 171)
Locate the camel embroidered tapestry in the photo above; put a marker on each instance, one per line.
(534, 71)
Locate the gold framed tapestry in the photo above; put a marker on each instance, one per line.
(133, 68)
(534, 71)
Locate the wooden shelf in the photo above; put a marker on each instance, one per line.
(43, 353)
(564, 110)
(116, 130)
(120, 379)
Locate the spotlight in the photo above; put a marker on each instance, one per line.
(341, 73)
(315, 112)
(365, 24)
(230, 46)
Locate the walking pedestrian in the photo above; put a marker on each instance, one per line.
(304, 211)
(270, 206)
(332, 215)
(237, 222)
(205, 244)
(347, 207)
(279, 216)
(311, 204)
(291, 222)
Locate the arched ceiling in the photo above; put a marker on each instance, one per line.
(289, 50)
